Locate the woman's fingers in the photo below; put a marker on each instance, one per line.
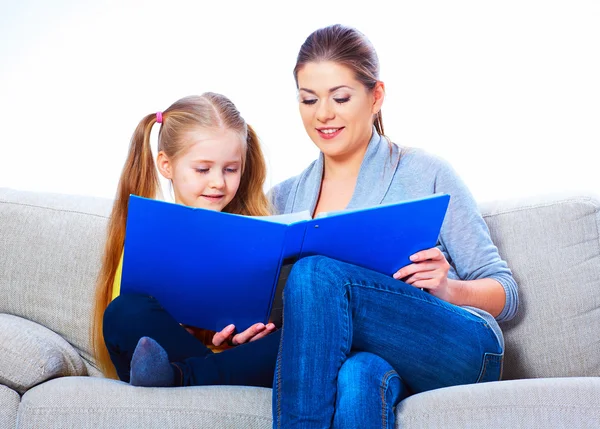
(425, 261)
(434, 254)
(415, 268)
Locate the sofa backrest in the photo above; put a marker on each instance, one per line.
(50, 251)
(552, 245)
(51, 246)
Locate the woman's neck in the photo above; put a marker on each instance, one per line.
(344, 167)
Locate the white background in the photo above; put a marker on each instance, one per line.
(508, 92)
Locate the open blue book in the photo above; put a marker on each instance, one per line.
(209, 269)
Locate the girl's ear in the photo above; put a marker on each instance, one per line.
(164, 165)
(378, 96)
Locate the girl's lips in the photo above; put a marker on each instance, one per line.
(329, 135)
(213, 197)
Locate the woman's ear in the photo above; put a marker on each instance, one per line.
(164, 165)
(378, 96)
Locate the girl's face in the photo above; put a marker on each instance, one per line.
(337, 110)
(208, 174)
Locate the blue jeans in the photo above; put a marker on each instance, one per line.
(132, 316)
(342, 323)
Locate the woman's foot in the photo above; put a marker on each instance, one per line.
(150, 366)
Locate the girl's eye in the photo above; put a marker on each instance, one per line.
(231, 170)
(309, 102)
(342, 100)
(202, 170)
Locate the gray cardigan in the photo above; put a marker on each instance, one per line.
(389, 174)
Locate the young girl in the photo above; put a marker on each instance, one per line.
(213, 160)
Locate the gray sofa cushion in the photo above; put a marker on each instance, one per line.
(9, 403)
(50, 250)
(568, 403)
(85, 402)
(98, 403)
(552, 244)
(32, 354)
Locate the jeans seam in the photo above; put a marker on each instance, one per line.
(382, 390)
(278, 376)
(347, 330)
(485, 364)
(475, 318)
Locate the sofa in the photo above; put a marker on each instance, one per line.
(50, 251)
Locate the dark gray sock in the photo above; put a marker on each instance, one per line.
(150, 366)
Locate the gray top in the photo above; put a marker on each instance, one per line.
(390, 173)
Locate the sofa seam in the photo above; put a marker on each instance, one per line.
(53, 209)
(583, 199)
(521, 208)
(501, 407)
(103, 410)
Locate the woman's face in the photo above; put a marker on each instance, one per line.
(337, 110)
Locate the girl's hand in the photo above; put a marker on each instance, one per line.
(429, 270)
(253, 333)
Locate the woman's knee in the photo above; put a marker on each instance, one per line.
(313, 275)
(366, 374)
(364, 368)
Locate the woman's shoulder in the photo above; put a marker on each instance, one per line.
(282, 189)
(424, 160)
(279, 193)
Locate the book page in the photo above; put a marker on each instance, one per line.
(288, 218)
(336, 212)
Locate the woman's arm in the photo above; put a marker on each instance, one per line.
(429, 270)
(487, 294)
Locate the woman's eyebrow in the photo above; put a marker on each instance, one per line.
(335, 88)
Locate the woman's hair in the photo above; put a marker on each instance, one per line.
(140, 177)
(345, 46)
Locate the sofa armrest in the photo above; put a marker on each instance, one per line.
(31, 354)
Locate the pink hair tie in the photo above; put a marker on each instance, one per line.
(159, 117)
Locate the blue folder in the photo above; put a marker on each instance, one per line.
(209, 269)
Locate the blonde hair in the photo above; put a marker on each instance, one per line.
(140, 177)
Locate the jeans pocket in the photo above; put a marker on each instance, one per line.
(491, 369)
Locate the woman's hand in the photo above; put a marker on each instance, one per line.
(253, 333)
(429, 270)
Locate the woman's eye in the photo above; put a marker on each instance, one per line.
(309, 102)
(342, 100)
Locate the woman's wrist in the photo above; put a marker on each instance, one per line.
(457, 292)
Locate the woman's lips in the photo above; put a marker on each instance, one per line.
(329, 133)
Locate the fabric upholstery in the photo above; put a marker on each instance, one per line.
(552, 244)
(32, 354)
(567, 403)
(9, 403)
(97, 403)
(50, 250)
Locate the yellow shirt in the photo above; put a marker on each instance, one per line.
(117, 281)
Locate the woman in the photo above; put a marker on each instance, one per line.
(355, 342)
